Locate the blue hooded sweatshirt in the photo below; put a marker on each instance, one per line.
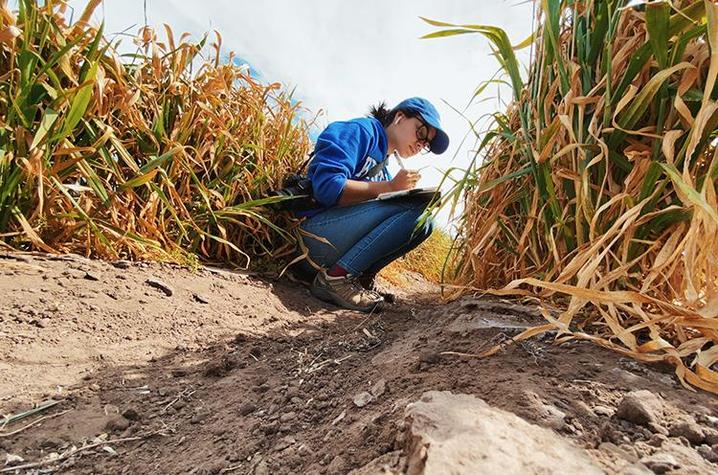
(346, 150)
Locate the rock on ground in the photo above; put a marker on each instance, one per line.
(641, 407)
(461, 434)
(661, 462)
(690, 430)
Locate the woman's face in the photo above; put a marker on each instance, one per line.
(411, 135)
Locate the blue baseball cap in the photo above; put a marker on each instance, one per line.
(428, 112)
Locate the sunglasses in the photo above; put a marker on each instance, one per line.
(422, 135)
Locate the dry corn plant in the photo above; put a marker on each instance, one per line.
(428, 260)
(167, 153)
(598, 184)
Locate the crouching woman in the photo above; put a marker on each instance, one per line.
(352, 236)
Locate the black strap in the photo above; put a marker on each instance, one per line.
(376, 169)
(306, 162)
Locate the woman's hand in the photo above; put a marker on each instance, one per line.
(405, 180)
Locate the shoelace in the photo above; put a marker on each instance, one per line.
(356, 286)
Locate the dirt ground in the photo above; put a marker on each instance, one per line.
(156, 368)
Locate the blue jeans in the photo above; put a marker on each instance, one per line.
(365, 237)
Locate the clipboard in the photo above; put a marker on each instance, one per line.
(427, 193)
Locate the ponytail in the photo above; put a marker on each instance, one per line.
(382, 114)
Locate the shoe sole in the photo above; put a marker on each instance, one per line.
(323, 294)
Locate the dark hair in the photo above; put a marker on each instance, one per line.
(386, 116)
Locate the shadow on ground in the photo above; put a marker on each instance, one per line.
(328, 394)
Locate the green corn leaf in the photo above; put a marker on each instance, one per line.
(159, 161)
(500, 41)
(657, 23)
(48, 119)
(639, 105)
(691, 194)
(79, 103)
(552, 10)
(139, 180)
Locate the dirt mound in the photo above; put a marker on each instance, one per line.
(228, 373)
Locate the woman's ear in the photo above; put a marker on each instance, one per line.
(397, 118)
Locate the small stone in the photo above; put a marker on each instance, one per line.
(287, 416)
(117, 423)
(339, 418)
(362, 399)
(657, 440)
(640, 407)
(707, 453)
(659, 429)
(12, 459)
(336, 466)
(247, 409)
(91, 276)
(711, 435)
(630, 451)
(379, 388)
(158, 284)
(281, 445)
(688, 429)
(660, 462)
(284, 443)
(603, 411)
(131, 414)
(583, 409)
(635, 469)
(42, 323)
(548, 414)
(553, 417)
(270, 428)
(122, 264)
(200, 298)
(621, 452)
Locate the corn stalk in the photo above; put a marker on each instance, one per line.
(166, 153)
(599, 181)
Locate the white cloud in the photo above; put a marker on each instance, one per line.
(343, 56)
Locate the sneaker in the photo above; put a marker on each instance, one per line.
(368, 282)
(345, 292)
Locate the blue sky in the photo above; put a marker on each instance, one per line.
(344, 56)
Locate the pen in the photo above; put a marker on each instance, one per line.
(398, 160)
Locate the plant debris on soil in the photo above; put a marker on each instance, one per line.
(156, 368)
